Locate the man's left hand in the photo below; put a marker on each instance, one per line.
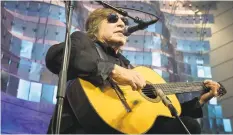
(214, 86)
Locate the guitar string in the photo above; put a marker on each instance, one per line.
(168, 86)
(169, 89)
(145, 89)
(149, 91)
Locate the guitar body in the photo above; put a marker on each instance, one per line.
(112, 115)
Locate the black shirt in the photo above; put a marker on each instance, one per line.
(86, 63)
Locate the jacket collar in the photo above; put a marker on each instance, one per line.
(109, 50)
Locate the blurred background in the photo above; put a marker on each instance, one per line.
(192, 41)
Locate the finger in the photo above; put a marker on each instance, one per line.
(133, 85)
(215, 83)
(212, 84)
(207, 81)
(213, 88)
(137, 82)
(142, 80)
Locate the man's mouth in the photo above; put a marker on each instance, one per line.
(119, 31)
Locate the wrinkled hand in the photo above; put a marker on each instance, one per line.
(214, 86)
(130, 77)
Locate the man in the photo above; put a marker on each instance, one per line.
(105, 28)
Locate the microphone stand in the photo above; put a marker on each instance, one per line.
(167, 102)
(174, 113)
(63, 71)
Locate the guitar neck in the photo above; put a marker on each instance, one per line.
(180, 87)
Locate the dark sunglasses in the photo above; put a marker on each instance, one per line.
(113, 18)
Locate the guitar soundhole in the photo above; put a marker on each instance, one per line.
(148, 91)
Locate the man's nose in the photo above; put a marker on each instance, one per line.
(120, 23)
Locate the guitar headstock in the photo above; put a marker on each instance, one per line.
(221, 91)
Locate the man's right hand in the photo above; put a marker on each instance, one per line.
(123, 76)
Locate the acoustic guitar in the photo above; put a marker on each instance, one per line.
(119, 109)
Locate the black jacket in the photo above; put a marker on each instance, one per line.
(86, 63)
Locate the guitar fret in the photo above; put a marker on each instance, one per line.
(180, 87)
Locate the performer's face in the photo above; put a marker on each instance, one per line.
(111, 30)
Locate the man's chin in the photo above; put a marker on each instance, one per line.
(120, 43)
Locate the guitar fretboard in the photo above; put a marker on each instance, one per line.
(180, 87)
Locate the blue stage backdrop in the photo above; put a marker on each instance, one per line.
(20, 116)
(175, 47)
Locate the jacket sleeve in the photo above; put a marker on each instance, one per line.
(84, 59)
(192, 108)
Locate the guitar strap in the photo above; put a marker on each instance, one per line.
(117, 89)
(71, 100)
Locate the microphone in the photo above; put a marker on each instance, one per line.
(129, 30)
(167, 102)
